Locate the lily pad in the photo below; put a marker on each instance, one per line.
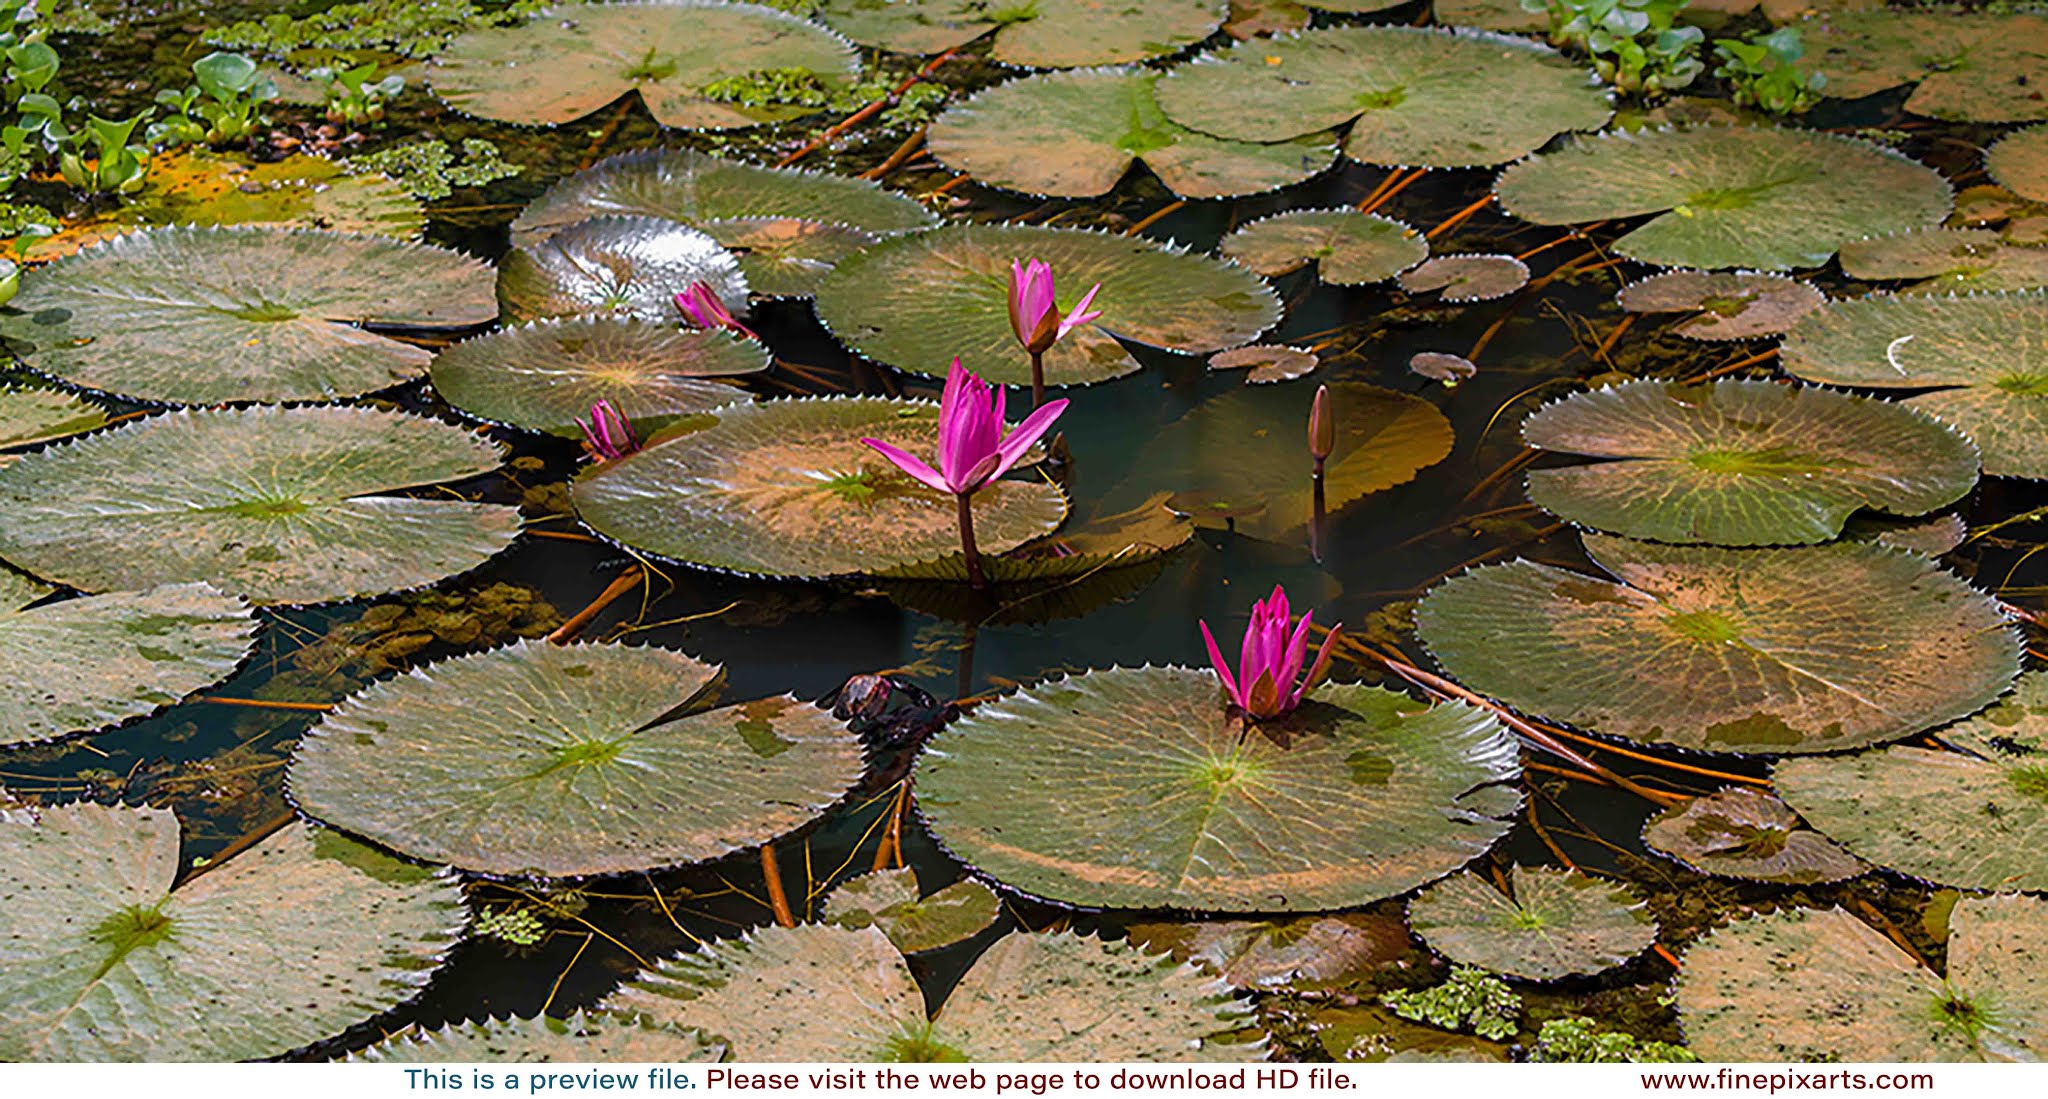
(1041, 34)
(1771, 988)
(1265, 18)
(544, 375)
(1267, 362)
(916, 301)
(1948, 260)
(550, 760)
(1738, 462)
(581, 1038)
(1419, 95)
(1103, 541)
(1981, 354)
(1075, 134)
(1464, 278)
(1311, 951)
(1439, 366)
(2019, 162)
(820, 993)
(1728, 196)
(1506, 16)
(39, 415)
(571, 60)
(621, 266)
(1726, 305)
(1138, 788)
(1747, 652)
(889, 899)
(1926, 537)
(1558, 923)
(787, 257)
(1347, 247)
(1742, 833)
(275, 504)
(207, 316)
(1970, 66)
(289, 942)
(786, 488)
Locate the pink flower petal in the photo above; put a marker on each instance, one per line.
(1035, 425)
(1222, 669)
(908, 464)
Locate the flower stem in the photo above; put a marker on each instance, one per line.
(967, 550)
(1037, 379)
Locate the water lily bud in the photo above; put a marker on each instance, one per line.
(1322, 427)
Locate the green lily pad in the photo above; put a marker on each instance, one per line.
(618, 266)
(1465, 278)
(571, 60)
(1742, 833)
(1419, 95)
(1747, 653)
(2019, 162)
(1926, 537)
(916, 301)
(1772, 988)
(39, 415)
(786, 257)
(1506, 16)
(889, 899)
(275, 504)
(548, 760)
(1726, 305)
(84, 664)
(1981, 354)
(786, 488)
(1075, 134)
(1105, 540)
(1558, 923)
(1040, 34)
(1947, 260)
(545, 375)
(207, 316)
(1737, 462)
(1301, 951)
(1347, 247)
(294, 940)
(581, 1038)
(1267, 363)
(1970, 66)
(1138, 788)
(1728, 196)
(821, 993)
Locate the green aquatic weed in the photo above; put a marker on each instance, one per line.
(1580, 1039)
(430, 168)
(1471, 999)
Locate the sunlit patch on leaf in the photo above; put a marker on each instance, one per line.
(1347, 247)
(1727, 305)
(1558, 923)
(1738, 832)
(787, 257)
(617, 266)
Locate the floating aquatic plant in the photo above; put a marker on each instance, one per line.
(1737, 832)
(1961, 260)
(1270, 680)
(1470, 999)
(1266, 363)
(1556, 924)
(890, 900)
(1974, 66)
(1037, 320)
(1467, 278)
(1347, 247)
(31, 415)
(580, 1038)
(608, 435)
(2019, 162)
(1043, 34)
(1726, 305)
(701, 307)
(1290, 952)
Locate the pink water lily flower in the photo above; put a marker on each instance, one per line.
(701, 304)
(1265, 684)
(608, 433)
(1036, 319)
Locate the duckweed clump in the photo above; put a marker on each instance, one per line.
(1471, 999)
(431, 169)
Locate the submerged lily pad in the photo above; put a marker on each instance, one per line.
(1738, 462)
(275, 504)
(1747, 653)
(568, 61)
(1139, 788)
(1772, 988)
(787, 257)
(552, 760)
(1267, 362)
(1728, 196)
(289, 942)
(1970, 66)
(1041, 34)
(1742, 833)
(1494, 15)
(620, 266)
(2019, 162)
(39, 415)
(786, 488)
(581, 1038)
(1419, 95)
(1347, 247)
(1726, 305)
(820, 993)
(544, 375)
(1947, 260)
(1464, 278)
(206, 316)
(1303, 950)
(1558, 923)
(1075, 134)
(916, 301)
(889, 899)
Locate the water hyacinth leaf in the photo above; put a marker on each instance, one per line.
(276, 504)
(1970, 66)
(1749, 655)
(889, 899)
(1737, 462)
(916, 301)
(1738, 832)
(1043, 34)
(1947, 261)
(1465, 278)
(1728, 196)
(84, 664)
(39, 415)
(1303, 951)
(1420, 96)
(294, 940)
(1347, 247)
(1558, 924)
(578, 1039)
(785, 257)
(621, 266)
(1267, 362)
(207, 316)
(1770, 988)
(1926, 537)
(545, 375)
(786, 488)
(1726, 305)
(2019, 162)
(1075, 134)
(569, 61)
(1134, 788)
(1981, 354)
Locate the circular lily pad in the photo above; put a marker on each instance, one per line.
(1926, 537)
(916, 301)
(1044, 34)
(1728, 196)
(568, 61)
(1726, 305)
(786, 257)
(1738, 462)
(546, 374)
(623, 266)
(1947, 260)
(1075, 134)
(289, 942)
(1442, 367)
(549, 760)
(1742, 833)
(1970, 66)
(786, 488)
(39, 415)
(1558, 924)
(1347, 247)
(1981, 354)
(1267, 362)
(2019, 162)
(889, 899)
(1772, 988)
(581, 1038)
(207, 316)
(272, 503)
(1419, 95)
(1464, 278)
(1138, 788)
(1319, 950)
(1745, 651)
(821, 993)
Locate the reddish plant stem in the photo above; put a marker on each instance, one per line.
(867, 112)
(616, 590)
(967, 550)
(1152, 218)
(1037, 379)
(771, 873)
(1457, 219)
